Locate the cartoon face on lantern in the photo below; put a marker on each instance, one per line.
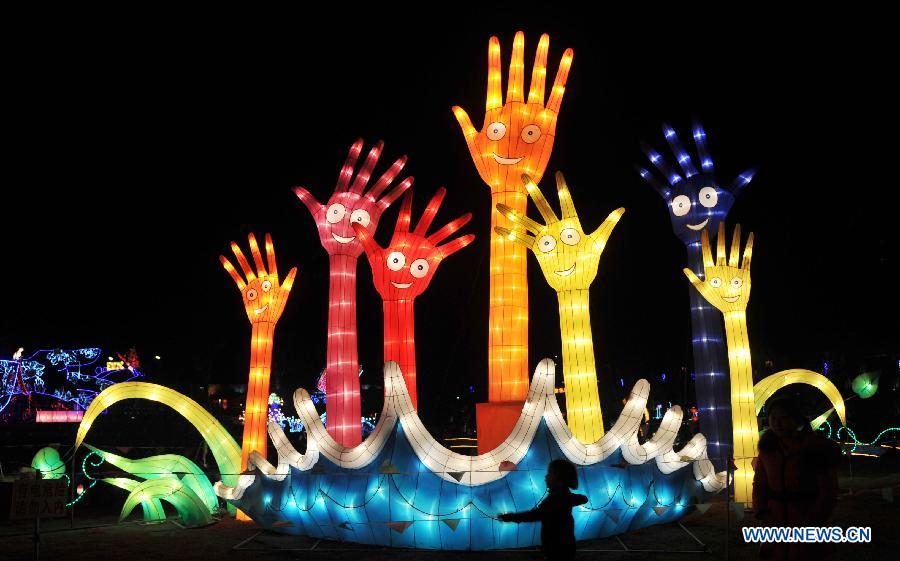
(517, 137)
(726, 286)
(568, 257)
(264, 298)
(403, 270)
(695, 201)
(348, 204)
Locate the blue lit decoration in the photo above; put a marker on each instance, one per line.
(401, 488)
(69, 379)
(696, 202)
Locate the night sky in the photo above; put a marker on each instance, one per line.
(133, 158)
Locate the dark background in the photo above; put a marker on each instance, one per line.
(135, 152)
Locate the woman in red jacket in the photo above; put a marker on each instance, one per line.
(795, 482)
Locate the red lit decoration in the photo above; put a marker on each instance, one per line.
(348, 205)
(403, 270)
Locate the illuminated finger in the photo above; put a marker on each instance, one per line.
(394, 193)
(748, 253)
(349, 163)
(386, 178)
(604, 231)
(542, 205)
(309, 200)
(405, 216)
(289, 280)
(516, 87)
(519, 219)
(430, 211)
(370, 246)
(242, 261)
(647, 176)
(720, 245)
(495, 85)
(469, 132)
(234, 274)
(657, 160)
(515, 236)
(705, 250)
(362, 178)
(270, 257)
(450, 248)
(449, 229)
(565, 199)
(735, 254)
(559, 85)
(539, 72)
(257, 257)
(706, 161)
(695, 280)
(742, 181)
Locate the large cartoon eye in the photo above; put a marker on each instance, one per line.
(737, 282)
(715, 282)
(531, 134)
(251, 294)
(681, 205)
(266, 286)
(335, 213)
(419, 268)
(709, 197)
(396, 261)
(547, 243)
(360, 216)
(569, 236)
(496, 131)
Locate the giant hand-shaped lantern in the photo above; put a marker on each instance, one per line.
(264, 300)
(569, 259)
(403, 270)
(515, 138)
(727, 287)
(349, 204)
(696, 201)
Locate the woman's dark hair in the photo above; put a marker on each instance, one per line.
(565, 473)
(769, 441)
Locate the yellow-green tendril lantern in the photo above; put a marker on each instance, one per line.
(569, 259)
(223, 447)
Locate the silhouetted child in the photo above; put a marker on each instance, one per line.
(555, 512)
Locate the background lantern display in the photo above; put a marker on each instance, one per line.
(569, 259)
(515, 138)
(403, 270)
(696, 202)
(264, 300)
(349, 204)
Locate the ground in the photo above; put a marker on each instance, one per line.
(96, 535)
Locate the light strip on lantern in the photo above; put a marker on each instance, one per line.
(349, 204)
(515, 138)
(569, 259)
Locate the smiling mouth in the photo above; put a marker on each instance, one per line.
(341, 239)
(401, 285)
(698, 226)
(732, 299)
(568, 271)
(505, 161)
(261, 310)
